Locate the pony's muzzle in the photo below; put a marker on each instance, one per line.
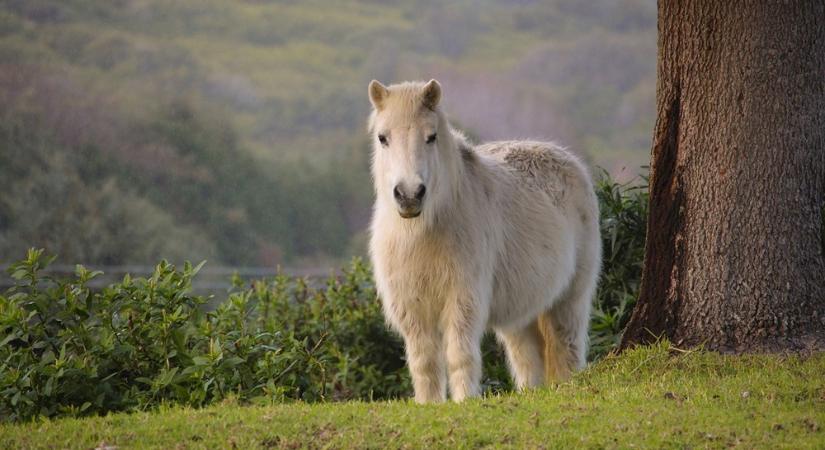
(409, 206)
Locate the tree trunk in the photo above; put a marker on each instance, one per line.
(734, 252)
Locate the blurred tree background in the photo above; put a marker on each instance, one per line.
(132, 130)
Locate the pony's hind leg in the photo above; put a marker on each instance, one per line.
(524, 354)
(565, 325)
(565, 328)
(560, 358)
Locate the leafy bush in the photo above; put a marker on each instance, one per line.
(68, 350)
(623, 211)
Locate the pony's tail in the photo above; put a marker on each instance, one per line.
(559, 358)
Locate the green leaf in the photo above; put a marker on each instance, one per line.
(47, 390)
(190, 370)
(19, 274)
(233, 361)
(48, 356)
(198, 268)
(201, 360)
(8, 339)
(166, 377)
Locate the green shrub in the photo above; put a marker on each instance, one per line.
(67, 350)
(623, 211)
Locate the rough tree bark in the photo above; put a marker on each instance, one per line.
(734, 252)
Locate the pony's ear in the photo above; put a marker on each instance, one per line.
(378, 93)
(431, 94)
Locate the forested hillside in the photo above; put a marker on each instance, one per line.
(132, 130)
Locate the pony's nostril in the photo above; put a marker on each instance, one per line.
(396, 193)
(419, 193)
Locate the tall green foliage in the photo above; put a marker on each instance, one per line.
(66, 349)
(623, 218)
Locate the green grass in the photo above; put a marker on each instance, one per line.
(655, 397)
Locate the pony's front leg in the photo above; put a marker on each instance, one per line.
(464, 327)
(425, 358)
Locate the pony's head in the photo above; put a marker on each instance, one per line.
(414, 150)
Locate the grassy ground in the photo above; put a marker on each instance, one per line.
(654, 397)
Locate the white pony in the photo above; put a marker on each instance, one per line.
(503, 235)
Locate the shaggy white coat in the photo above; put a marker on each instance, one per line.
(507, 238)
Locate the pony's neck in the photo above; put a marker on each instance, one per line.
(462, 155)
(457, 183)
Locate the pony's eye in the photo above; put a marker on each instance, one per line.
(383, 140)
(431, 138)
